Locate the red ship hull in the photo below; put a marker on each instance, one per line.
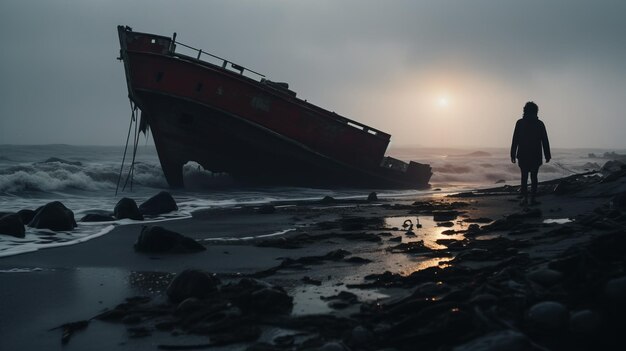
(257, 132)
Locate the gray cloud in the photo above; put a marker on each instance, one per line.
(61, 83)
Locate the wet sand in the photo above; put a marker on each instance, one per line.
(384, 269)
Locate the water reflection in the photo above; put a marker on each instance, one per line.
(429, 231)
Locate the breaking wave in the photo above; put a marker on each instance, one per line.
(61, 175)
(480, 172)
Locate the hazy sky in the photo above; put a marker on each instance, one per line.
(431, 73)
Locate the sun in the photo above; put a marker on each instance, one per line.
(443, 102)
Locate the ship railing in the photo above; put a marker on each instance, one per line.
(241, 69)
(225, 63)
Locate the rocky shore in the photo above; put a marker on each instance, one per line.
(468, 271)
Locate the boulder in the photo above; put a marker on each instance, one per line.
(127, 208)
(256, 296)
(545, 276)
(26, 215)
(160, 240)
(192, 283)
(160, 203)
(548, 316)
(11, 224)
(54, 216)
(96, 217)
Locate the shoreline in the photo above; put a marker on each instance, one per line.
(382, 266)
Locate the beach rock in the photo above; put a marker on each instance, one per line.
(95, 217)
(410, 247)
(548, 316)
(444, 216)
(506, 340)
(256, 296)
(159, 240)
(372, 196)
(160, 203)
(127, 208)
(54, 216)
(473, 229)
(26, 215)
(612, 167)
(615, 291)
(272, 300)
(341, 300)
(266, 209)
(12, 225)
(585, 322)
(192, 283)
(545, 276)
(188, 306)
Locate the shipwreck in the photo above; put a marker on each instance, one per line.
(230, 119)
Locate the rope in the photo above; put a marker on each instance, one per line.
(131, 170)
(130, 126)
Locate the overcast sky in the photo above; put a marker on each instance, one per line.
(430, 73)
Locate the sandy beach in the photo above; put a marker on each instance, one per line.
(352, 275)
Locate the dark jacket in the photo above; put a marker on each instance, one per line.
(528, 138)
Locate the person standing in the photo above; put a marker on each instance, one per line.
(529, 138)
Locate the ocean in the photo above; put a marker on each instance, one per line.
(84, 178)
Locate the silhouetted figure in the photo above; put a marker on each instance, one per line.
(528, 139)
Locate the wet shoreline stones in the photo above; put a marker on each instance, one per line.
(54, 216)
(160, 203)
(568, 301)
(156, 239)
(127, 208)
(12, 225)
